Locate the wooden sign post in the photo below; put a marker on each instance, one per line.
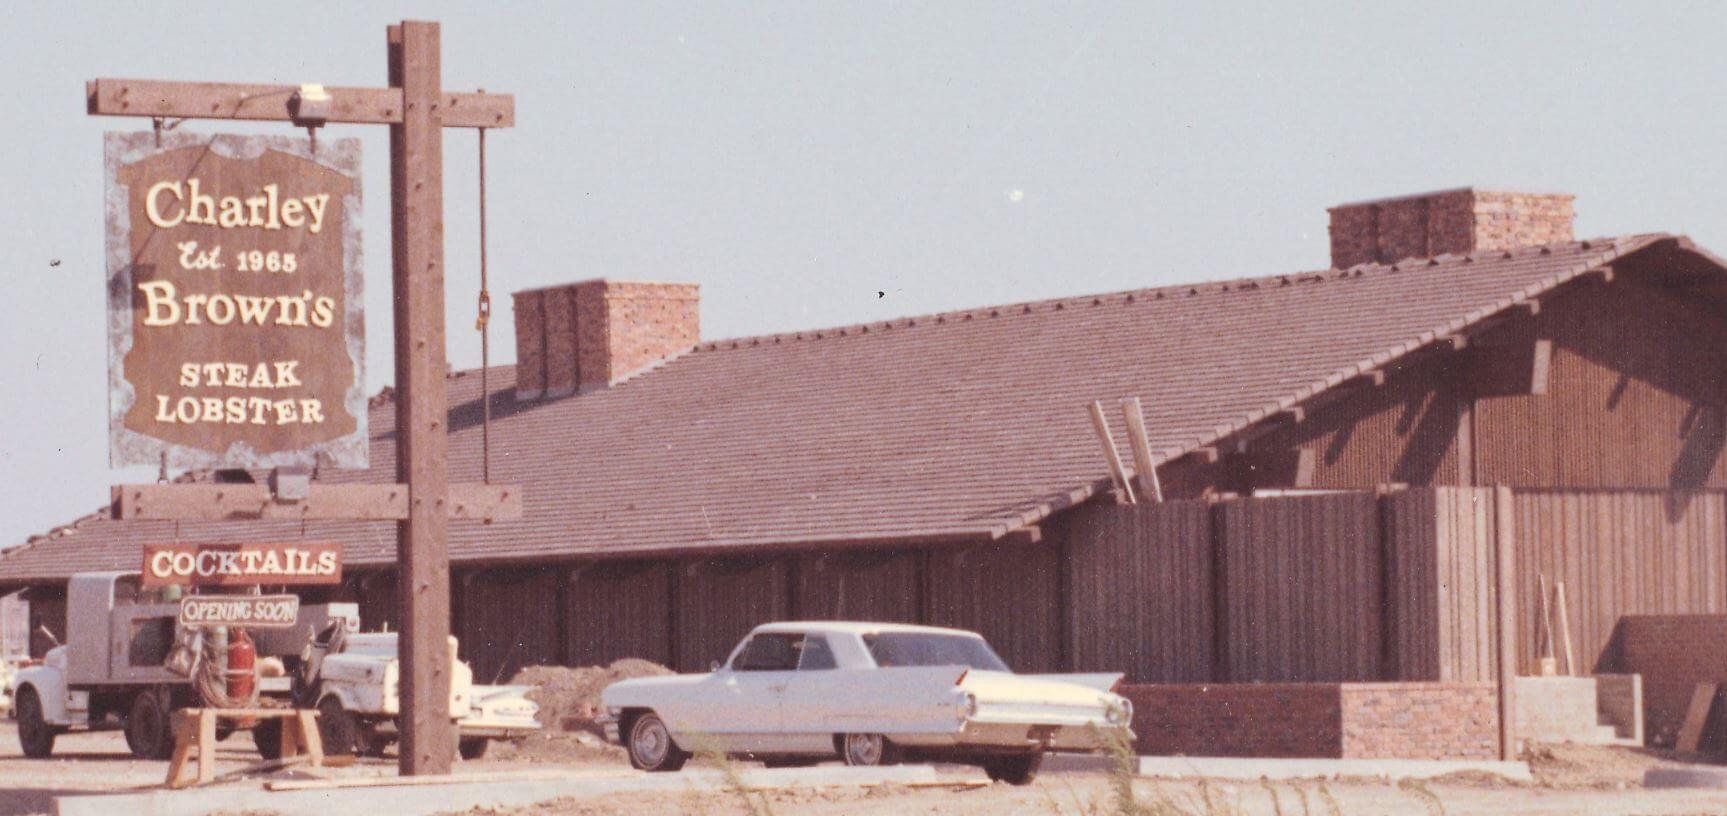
(417, 110)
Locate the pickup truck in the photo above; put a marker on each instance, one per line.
(867, 694)
(353, 681)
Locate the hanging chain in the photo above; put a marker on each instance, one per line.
(481, 323)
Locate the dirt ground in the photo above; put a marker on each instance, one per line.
(1572, 780)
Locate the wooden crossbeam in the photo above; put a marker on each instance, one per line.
(360, 502)
(225, 100)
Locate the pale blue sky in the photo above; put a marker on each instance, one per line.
(796, 158)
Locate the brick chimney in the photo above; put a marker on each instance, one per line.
(1458, 221)
(588, 335)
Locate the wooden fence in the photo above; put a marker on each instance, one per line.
(1347, 586)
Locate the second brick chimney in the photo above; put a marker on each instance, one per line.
(1458, 221)
(588, 335)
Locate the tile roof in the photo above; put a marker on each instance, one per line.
(958, 426)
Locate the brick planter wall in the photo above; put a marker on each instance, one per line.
(1335, 720)
(1267, 720)
(1422, 720)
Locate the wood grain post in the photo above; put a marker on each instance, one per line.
(417, 232)
(1505, 548)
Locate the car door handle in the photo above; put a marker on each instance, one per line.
(780, 687)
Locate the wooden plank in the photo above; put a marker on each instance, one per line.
(206, 746)
(1505, 546)
(363, 502)
(228, 100)
(1540, 367)
(1564, 629)
(428, 742)
(1145, 467)
(1544, 653)
(1117, 472)
(1696, 716)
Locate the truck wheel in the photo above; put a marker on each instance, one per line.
(267, 735)
(337, 728)
(1014, 770)
(35, 735)
(651, 746)
(869, 750)
(147, 730)
(473, 747)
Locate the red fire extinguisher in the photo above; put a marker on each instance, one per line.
(242, 656)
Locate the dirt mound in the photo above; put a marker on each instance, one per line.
(569, 699)
(1602, 767)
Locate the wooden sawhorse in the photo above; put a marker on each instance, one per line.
(195, 728)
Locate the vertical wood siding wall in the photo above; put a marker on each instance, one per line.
(865, 586)
(618, 610)
(1632, 401)
(720, 600)
(1301, 590)
(1011, 594)
(1139, 594)
(1335, 587)
(1440, 584)
(1619, 553)
(508, 619)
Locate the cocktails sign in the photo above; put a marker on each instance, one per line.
(285, 563)
(236, 330)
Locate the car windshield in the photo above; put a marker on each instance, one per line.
(929, 649)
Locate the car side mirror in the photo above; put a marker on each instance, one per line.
(713, 665)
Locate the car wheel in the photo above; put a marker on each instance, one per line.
(473, 747)
(35, 735)
(337, 729)
(147, 730)
(869, 750)
(651, 746)
(267, 736)
(1014, 770)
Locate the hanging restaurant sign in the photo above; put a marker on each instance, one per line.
(250, 611)
(235, 323)
(289, 563)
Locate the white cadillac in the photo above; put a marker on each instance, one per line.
(870, 694)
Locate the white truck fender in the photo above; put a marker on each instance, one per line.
(49, 685)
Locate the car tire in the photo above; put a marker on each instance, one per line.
(267, 736)
(148, 731)
(35, 735)
(651, 746)
(337, 728)
(473, 748)
(1014, 770)
(868, 750)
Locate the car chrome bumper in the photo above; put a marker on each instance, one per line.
(988, 735)
(610, 725)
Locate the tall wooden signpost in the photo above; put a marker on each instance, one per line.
(417, 110)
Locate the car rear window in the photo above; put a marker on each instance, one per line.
(928, 649)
